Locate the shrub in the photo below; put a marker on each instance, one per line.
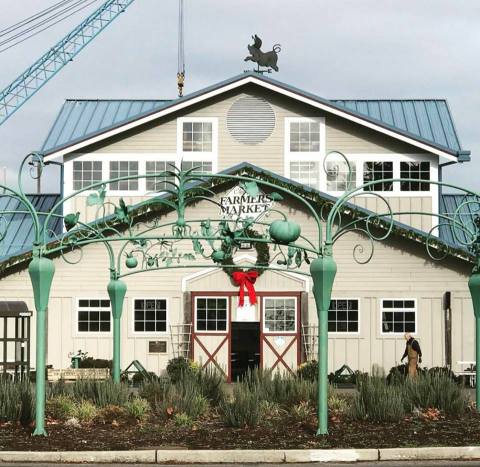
(338, 403)
(178, 367)
(138, 408)
(434, 390)
(308, 370)
(112, 413)
(16, 401)
(302, 412)
(182, 419)
(91, 362)
(243, 409)
(377, 401)
(211, 384)
(101, 393)
(61, 407)
(85, 411)
(184, 397)
(285, 390)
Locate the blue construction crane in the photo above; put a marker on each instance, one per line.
(47, 66)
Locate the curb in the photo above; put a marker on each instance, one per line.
(244, 456)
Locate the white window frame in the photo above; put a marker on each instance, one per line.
(139, 173)
(87, 334)
(150, 333)
(316, 156)
(206, 331)
(348, 333)
(98, 159)
(210, 156)
(396, 334)
(359, 160)
(276, 297)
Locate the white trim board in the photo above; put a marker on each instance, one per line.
(241, 82)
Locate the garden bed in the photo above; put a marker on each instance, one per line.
(195, 409)
(212, 434)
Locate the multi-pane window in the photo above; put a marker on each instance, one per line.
(93, 315)
(279, 314)
(124, 169)
(211, 313)
(150, 315)
(343, 316)
(376, 171)
(340, 177)
(305, 172)
(86, 173)
(200, 166)
(418, 171)
(305, 136)
(197, 136)
(398, 316)
(159, 183)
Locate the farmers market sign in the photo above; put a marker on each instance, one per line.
(237, 204)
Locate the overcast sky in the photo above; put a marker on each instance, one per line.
(335, 48)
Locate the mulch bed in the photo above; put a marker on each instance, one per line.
(212, 434)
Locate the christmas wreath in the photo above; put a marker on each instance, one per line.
(263, 256)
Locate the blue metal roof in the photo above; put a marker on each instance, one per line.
(468, 206)
(428, 121)
(19, 227)
(80, 119)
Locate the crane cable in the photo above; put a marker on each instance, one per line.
(49, 26)
(181, 53)
(32, 18)
(41, 23)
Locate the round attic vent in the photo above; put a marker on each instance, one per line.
(250, 120)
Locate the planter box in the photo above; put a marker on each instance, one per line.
(73, 374)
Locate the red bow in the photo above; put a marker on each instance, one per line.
(245, 280)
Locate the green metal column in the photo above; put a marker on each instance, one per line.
(323, 272)
(41, 272)
(116, 291)
(474, 286)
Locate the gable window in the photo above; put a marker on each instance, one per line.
(418, 171)
(200, 166)
(211, 313)
(124, 169)
(159, 183)
(343, 316)
(85, 173)
(399, 316)
(376, 171)
(305, 136)
(279, 314)
(93, 315)
(197, 136)
(340, 177)
(305, 172)
(150, 315)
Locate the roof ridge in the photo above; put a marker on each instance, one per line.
(400, 99)
(81, 99)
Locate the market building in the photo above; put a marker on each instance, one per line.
(272, 131)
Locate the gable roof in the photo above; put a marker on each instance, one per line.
(19, 227)
(311, 194)
(427, 124)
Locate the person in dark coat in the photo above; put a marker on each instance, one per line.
(414, 354)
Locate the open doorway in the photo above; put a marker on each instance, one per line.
(245, 348)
